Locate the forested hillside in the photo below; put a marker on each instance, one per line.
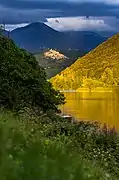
(54, 61)
(98, 68)
(23, 82)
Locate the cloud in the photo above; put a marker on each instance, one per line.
(104, 13)
(10, 27)
(63, 7)
(13, 16)
(83, 23)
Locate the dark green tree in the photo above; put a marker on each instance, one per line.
(1, 29)
(23, 82)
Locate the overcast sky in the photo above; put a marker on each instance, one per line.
(62, 14)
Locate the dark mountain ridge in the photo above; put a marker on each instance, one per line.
(37, 35)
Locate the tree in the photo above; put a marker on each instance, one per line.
(92, 83)
(23, 82)
(2, 28)
(107, 76)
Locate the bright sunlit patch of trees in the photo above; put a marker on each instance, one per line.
(98, 68)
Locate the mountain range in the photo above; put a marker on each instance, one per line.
(36, 36)
(98, 68)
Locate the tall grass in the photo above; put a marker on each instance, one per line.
(27, 152)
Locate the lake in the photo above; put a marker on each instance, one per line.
(94, 106)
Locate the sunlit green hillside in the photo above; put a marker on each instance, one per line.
(98, 68)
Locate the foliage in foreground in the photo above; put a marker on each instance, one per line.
(35, 149)
(22, 81)
(98, 68)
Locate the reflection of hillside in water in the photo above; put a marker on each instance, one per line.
(102, 107)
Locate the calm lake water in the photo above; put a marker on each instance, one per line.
(94, 106)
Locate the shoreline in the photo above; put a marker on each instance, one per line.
(74, 120)
(90, 90)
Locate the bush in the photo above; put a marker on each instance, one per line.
(89, 140)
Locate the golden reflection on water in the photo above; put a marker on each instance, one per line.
(94, 106)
